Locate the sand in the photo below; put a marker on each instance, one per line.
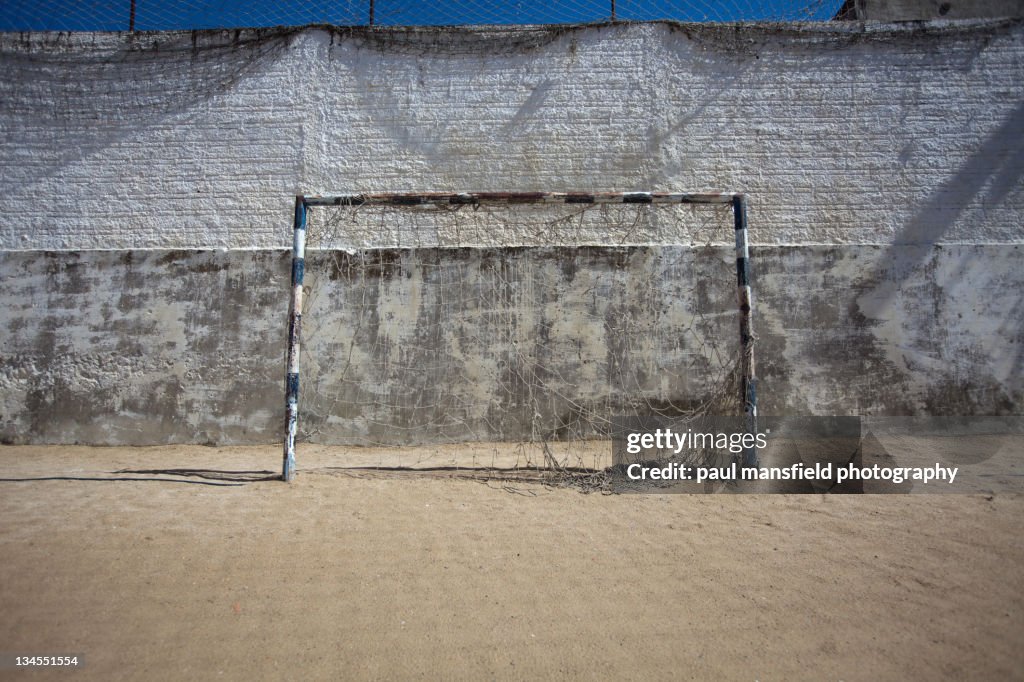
(356, 575)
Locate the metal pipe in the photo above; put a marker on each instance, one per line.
(748, 380)
(131, 18)
(416, 199)
(294, 339)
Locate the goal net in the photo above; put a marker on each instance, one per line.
(508, 330)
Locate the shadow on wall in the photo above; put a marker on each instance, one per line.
(998, 162)
(82, 101)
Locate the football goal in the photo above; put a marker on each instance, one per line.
(434, 319)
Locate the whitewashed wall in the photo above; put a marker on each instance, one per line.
(841, 133)
(884, 167)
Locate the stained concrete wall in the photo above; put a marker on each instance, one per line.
(429, 345)
(884, 166)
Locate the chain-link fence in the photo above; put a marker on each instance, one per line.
(164, 15)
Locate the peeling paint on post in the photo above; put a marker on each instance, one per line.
(748, 380)
(294, 339)
(419, 199)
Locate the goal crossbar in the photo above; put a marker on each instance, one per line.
(420, 198)
(304, 202)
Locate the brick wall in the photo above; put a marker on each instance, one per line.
(884, 167)
(841, 133)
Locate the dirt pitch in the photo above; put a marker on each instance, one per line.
(217, 574)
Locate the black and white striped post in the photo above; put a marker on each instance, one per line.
(748, 380)
(294, 339)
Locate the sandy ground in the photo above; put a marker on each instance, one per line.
(414, 576)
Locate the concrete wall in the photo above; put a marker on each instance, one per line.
(884, 166)
(431, 345)
(922, 10)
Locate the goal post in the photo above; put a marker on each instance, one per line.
(294, 337)
(404, 201)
